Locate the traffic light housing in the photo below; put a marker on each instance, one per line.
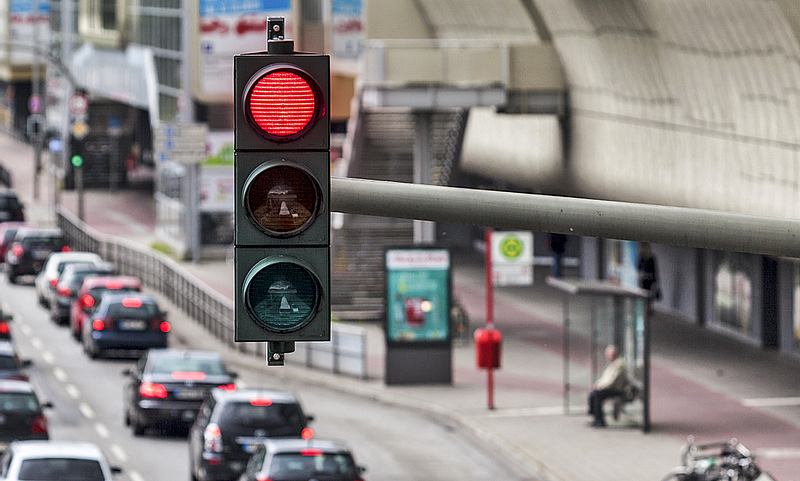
(282, 216)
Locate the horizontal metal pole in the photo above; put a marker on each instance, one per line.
(568, 215)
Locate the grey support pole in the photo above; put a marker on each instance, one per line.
(424, 232)
(595, 218)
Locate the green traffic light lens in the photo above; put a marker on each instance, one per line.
(282, 296)
(77, 161)
(282, 200)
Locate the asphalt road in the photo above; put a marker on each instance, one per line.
(393, 443)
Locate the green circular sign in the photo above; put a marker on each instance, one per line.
(511, 247)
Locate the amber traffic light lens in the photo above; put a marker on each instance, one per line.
(282, 200)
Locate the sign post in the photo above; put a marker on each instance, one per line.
(489, 313)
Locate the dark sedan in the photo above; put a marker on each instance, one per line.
(169, 385)
(21, 413)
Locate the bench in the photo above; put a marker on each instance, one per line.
(632, 392)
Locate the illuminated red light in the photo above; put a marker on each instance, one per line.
(98, 325)
(261, 402)
(53, 282)
(153, 390)
(64, 291)
(17, 250)
(87, 301)
(227, 387)
(307, 433)
(4, 328)
(311, 452)
(66, 249)
(132, 302)
(188, 375)
(165, 327)
(282, 103)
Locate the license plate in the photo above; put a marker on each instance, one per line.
(249, 445)
(132, 325)
(40, 254)
(189, 393)
(188, 415)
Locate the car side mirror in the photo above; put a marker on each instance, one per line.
(26, 362)
(7, 317)
(126, 372)
(361, 469)
(116, 470)
(47, 405)
(310, 418)
(233, 374)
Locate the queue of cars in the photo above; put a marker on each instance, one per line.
(234, 433)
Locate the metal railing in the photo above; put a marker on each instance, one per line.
(200, 302)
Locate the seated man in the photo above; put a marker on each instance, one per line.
(612, 383)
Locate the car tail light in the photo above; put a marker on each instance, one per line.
(98, 325)
(87, 301)
(311, 452)
(39, 425)
(64, 291)
(262, 478)
(307, 433)
(17, 250)
(188, 375)
(53, 282)
(227, 387)
(212, 439)
(261, 402)
(164, 327)
(66, 248)
(4, 329)
(131, 303)
(152, 390)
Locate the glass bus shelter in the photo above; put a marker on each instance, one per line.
(597, 314)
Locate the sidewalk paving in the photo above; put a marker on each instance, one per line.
(703, 383)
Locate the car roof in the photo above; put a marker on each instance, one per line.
(4, 226)
(39, 231)
(245, 395)
(73, 256)
(89, 266)
(101, 281)
(169, 352)
(5, 191)
(15, 386)
(114, 297)
(6, 348)
(61, 449)
(289, 445)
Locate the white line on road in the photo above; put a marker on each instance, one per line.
(73, 391)
(135, 476)
(36, 343)
(118, 453)
(767, 402)
(86, 410)
(778, 453)
(26, 329)
(102, 430)
(60, 374)
(48, 357)
(524, 412)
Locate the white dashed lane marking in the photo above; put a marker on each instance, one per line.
(102, 430)
(48, 357)
(118, 453)
(26, 329)
(60, 374)
(72, 391)
(135, 476)
(36, 343)
(86, 410)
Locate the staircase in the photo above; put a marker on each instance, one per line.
(384, 151)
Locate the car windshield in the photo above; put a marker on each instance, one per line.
(311, 463)
(60, 469)
(63, 264)
(42, 242)
(167, 364)
(284, 416)
(22, 402)
(8, 363)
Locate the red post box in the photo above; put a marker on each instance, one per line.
(488, 342)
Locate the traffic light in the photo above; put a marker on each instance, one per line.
(282, 238)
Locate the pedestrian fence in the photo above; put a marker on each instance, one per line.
(345, 354)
